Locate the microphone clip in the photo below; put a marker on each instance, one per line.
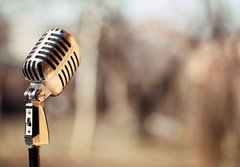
(36, 91)
(36, 128)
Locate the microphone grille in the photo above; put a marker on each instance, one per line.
(51, 50)
(53, 60)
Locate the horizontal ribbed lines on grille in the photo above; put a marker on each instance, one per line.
(48, 54)
(65, 74)
(61, 37)
(75, 55)
(62, 76)
(61, 79)
(68, 69)
(52, 51)
(32, 70)
(75, 61)
(59, 42)
(54, 45)
(47, 60)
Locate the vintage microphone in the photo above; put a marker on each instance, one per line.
(48, 67)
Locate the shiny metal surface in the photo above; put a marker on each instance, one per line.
(52, 62)
(36, 127)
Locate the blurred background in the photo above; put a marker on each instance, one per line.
(158, 85)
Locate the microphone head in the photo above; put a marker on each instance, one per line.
(53, 61)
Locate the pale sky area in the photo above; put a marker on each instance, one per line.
(175, 13)
(31, 18)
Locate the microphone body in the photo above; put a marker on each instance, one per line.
(48, 67)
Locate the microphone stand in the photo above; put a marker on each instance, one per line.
(34, 156)
(36, 129)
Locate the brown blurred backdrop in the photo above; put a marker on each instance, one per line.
(158, 85)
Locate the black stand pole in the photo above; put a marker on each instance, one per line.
(34, 157)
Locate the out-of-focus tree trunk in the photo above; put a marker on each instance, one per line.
(84, 123)
(4, 29)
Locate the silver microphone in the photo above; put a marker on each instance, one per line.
(48, 67)
(52, 62)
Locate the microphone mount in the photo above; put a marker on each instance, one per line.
(36, 128)
(36, 92)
